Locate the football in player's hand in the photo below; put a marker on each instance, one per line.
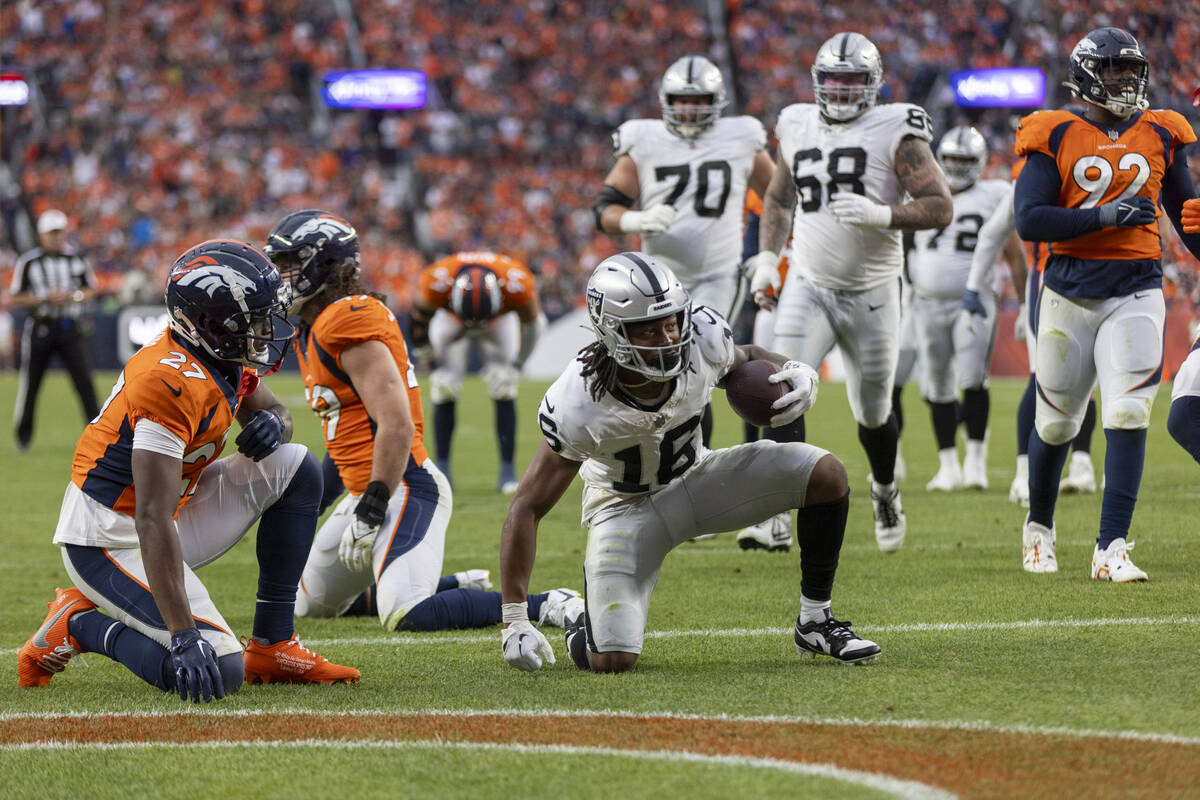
(750, 394)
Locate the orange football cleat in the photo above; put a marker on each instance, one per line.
(291, 662)
(51, 646)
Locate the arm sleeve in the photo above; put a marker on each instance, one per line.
(1035, 205)
(992, 236)
(149, 435)
(1178, 187)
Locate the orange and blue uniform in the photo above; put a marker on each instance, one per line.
(517, 288)
(167, 383)
(349, 431)
(1074, 165)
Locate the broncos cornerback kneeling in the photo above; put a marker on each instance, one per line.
(130, 538)
(626, 413)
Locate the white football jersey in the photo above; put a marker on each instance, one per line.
(705, 180)
(629, 450)
(856, 156)
(941, 258)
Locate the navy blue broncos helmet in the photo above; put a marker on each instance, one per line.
(1109, 69)
(226, 298)
(309, 246)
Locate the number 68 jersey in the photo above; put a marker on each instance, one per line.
(858, 156)
(628, 449)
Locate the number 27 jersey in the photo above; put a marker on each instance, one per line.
(630, 450)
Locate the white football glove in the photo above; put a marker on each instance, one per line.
(649, 221)
(525, 647)
(1021, 324)
(763, 269)
(358, 540)
(854, 209)
(804, 381)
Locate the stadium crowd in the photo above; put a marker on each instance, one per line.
(161, 123)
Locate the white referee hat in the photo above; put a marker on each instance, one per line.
(52, 220)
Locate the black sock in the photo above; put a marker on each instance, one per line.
(881, 444)
(792, 432)
(819, 532)
(506, 429)
(285, 534)
(1082, 443)
(1123, 462)
(1025, 413)
(1183, 423)
(443, 430)
(898, 408)
(706, 425)
(945, 423)
(453, 609)
(364, 605)
(976, 405)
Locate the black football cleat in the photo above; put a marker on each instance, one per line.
(831, 637)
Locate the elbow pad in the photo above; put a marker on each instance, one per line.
(609, 195)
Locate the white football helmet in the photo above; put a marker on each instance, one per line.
(847, 54)
(966, 150)
(634, 287)
(691, 76)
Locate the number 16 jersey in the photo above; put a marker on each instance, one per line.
(858, 156)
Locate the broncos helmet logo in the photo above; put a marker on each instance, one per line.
(326, 225)
(211, 278)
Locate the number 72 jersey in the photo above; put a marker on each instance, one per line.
(858, 156)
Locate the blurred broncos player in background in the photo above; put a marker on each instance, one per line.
(955, 321)
(1183, 423)
(488, 298)
(626, 414)
(1091, 186)
(851, 174)
(688, 174)
(131, 540)
(380, 551)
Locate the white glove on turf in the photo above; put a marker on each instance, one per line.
(524, 645)
(804, 381)
(651, 220)
(854, 209)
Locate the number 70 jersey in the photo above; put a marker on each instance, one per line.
(858, 156)
(630, 450)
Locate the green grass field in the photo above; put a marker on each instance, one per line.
(970, 641)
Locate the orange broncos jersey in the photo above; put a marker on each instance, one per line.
(349, 432)
(1097, 165)
(516, 281)
(167, 383)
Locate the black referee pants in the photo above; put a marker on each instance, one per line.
(40, 340)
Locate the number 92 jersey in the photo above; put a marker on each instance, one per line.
(857, 156)
(704, 179)
(628, 449)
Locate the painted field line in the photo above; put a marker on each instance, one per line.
(884, 783)
(983, 726)
(911, 627)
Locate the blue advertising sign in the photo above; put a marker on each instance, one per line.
(1004, 87)
(375, 88)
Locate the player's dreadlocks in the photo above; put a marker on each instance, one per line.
(346, 281)
(599, 371)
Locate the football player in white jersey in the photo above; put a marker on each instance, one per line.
(688, 174)
(626, 415)
(850, 176)
(956, 323)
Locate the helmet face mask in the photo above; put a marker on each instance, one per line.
(228, 300)
(847, 75)
(1108, 69)
(309, 247)
(625, 292)
(692, 95)
(962, 154)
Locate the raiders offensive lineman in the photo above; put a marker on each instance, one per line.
(956, 324)
(688, 174)
(626, 414)
(844, 169)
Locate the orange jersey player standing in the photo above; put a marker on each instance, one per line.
(1091, 187)
(150, 500)
(380, 552)
(489, 298)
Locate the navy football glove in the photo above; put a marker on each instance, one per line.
(261, 436)
(972, 304)
(1127, 213)
(195, 664)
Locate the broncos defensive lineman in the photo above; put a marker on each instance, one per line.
(956, 324)
(1091, 187)
(688, 174)
(626, 413)
(849, 177)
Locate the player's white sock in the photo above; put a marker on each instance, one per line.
(811, 610)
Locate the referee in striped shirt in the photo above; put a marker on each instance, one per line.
(52, 284)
